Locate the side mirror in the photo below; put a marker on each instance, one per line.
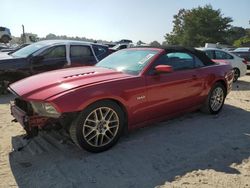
(163, 69)
(37, 59)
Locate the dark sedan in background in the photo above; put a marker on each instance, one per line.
(48, 55)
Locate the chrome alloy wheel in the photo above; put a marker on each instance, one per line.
(217, 99)
(100, 126)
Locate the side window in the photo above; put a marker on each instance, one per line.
(180, 60)
(2, 29)
(99, 50)
(55, 52)
(222, 55)
(79, 51)
(210, 54)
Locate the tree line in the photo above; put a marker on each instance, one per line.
(201, 25)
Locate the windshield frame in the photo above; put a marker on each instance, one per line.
(41, 47)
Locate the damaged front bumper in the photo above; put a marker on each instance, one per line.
(30, 122)
(25, 120)
(23, 113)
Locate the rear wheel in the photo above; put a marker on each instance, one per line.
(98, 127)
(215, 99)
(236, 74)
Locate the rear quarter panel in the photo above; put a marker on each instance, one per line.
(221, 72)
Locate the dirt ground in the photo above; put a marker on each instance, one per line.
(195, 150)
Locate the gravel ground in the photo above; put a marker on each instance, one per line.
(195, 150)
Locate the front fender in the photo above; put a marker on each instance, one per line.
(75, 101)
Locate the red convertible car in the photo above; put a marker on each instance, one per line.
(126, 90)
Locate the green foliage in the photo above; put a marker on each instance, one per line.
(51, 36)
(155, 44)
(243, 41)
(197, 26)
(234, 33)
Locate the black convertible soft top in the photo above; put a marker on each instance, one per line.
(200, 54)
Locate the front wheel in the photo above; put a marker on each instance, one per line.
(98, 127)
(236, 74)
(215, 99)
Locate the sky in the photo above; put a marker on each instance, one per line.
(111, 20)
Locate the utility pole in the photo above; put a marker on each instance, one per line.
(24, 38)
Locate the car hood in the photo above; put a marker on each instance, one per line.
(8, 62)
(5, 55)
(48, 84)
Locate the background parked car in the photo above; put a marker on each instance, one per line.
(238, 64)
(124, 41)
(243, 53)
(5, 35)
(48, 55)
(121, 46)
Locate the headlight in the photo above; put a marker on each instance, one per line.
(45, 109)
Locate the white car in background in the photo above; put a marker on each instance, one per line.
(238, 64)
(243, 53)
(121, 46)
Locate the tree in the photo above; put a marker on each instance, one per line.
(51, 36)
(197, 26)
(234, 33)
(155, 43)
(243, 41)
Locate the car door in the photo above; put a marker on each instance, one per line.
(81, 55)
(220, 55)
(176, 91)
(50, 59)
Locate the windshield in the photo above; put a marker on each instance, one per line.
(128, 61)
(28, 50)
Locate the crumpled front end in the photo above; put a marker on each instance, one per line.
(24, 113)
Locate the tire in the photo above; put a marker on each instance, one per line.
(236, 74)
(98, 127)
(215, 99)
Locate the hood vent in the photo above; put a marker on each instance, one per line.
(80, 74)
